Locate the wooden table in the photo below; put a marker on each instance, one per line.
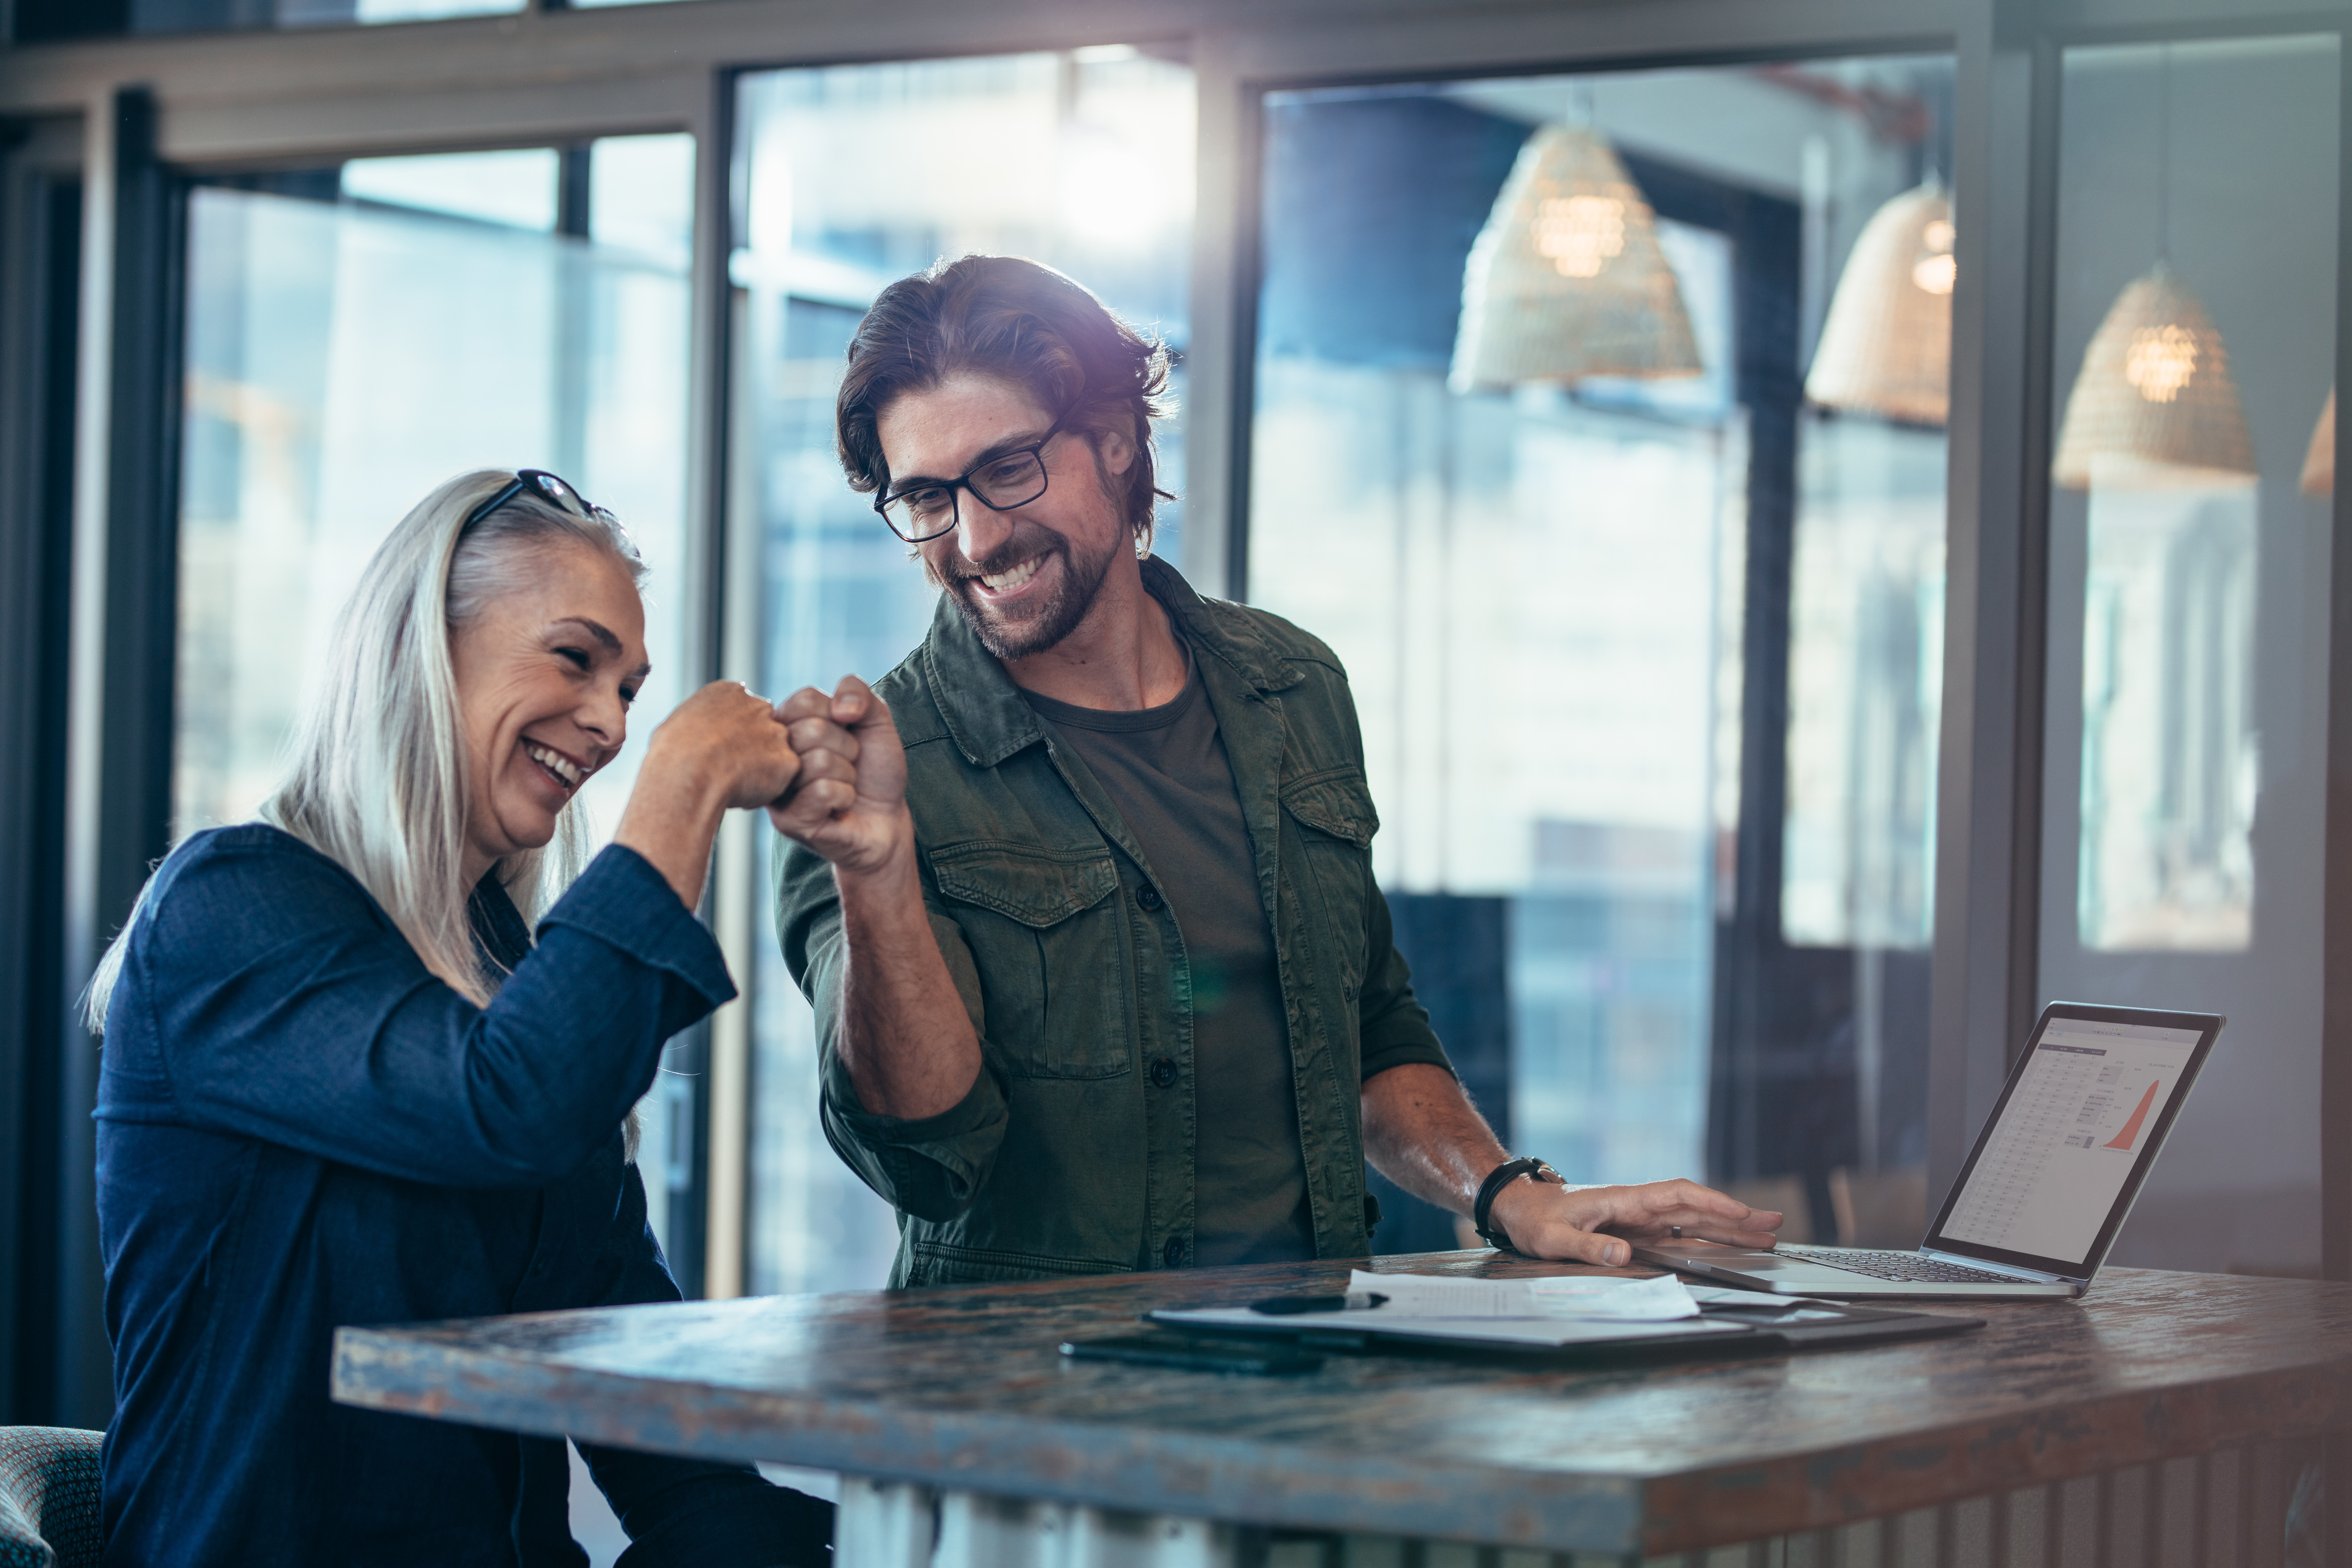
(2165, 1418)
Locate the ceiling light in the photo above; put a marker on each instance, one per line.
(1567, 281)
(2154, 406)
(1885, 347)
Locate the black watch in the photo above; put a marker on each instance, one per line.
(1503, 1175)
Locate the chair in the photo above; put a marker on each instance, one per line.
(49, 1496)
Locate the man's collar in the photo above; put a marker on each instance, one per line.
(986, 713)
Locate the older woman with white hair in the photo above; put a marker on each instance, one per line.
(343, 1082)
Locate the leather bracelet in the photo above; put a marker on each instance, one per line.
(1501, 1176)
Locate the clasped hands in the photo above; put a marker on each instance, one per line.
(848, 802)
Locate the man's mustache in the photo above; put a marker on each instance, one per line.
(1029, 544)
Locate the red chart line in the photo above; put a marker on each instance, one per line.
(2123, 1140)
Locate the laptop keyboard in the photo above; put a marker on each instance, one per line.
(1905, 1267)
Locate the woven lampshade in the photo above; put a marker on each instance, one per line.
(2319, 462)
(2153, 406)
(1567, 281)
(1886, 344)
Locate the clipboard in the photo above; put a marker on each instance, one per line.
(1730, 1322)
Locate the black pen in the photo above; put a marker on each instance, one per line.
(1354, 1302)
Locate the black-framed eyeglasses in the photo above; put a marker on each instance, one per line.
(555, 491)
(926, 509)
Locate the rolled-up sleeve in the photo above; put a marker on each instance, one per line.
(286, 1006)
(1392, 1025)
(932, 1167)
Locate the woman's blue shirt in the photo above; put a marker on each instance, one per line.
(301, 1127)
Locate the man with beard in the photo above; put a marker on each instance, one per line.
(1102, 978)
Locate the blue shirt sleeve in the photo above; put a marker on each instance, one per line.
(280, 1003)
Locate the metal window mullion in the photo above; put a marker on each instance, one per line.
(118, 722)
(1222, 360)
(725, 643)
(1988, 761)
(2335, 1004)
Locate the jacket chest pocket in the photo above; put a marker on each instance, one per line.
(1045, 931)
(1334, 814)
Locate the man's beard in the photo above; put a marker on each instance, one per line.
(1044, 624)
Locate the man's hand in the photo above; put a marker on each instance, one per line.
(1581, 1224)
(849, 804)
(906, 1038)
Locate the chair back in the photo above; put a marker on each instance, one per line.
(49, 1496)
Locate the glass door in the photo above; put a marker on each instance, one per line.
(1598, 427)
(2191, 495)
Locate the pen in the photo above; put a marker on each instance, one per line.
(1354, 1302)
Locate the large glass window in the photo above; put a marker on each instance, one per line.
(45, 19)
(850, 177)
(2192, 493)
(1598, 427)
(356, 335)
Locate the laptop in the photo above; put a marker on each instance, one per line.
(2045, 1190)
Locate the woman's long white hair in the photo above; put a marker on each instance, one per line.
(379, 780)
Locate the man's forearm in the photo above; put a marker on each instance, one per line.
(905, 1037)
(1421, 1132)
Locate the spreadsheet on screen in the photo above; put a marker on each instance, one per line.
(2091, 1096)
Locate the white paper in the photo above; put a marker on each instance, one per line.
(1587, 1296)
(1530, 1332)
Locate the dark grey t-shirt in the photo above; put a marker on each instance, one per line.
(1165, 769)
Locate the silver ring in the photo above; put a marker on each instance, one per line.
(1677, 1231)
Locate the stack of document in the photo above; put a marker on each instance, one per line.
(1566, 1310)
(1602, 1297)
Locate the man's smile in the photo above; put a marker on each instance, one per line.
(1009, 585)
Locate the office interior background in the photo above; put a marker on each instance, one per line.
(1886, 583)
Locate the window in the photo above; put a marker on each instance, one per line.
(40, 20)
(357, 334)
(2190, 512)
(1646, 640)
(853, 177)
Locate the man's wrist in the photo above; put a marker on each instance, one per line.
(884, 868)
(1494, 1190)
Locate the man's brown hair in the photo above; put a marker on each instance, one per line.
(1019, 323)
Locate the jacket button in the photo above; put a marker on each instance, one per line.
(1174, 1252)
(1163, 1072)
(1148, 896)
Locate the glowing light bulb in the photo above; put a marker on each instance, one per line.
(1936, 274)
(1581, 234)
(1936, 268)
(2162, 360)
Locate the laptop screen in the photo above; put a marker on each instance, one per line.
(2073, 1137)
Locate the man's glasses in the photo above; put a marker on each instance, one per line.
(556, 492)
(925, 509)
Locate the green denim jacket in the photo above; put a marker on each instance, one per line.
(1070, 1154)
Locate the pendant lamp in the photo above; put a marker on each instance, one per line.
(2154, 406)
(1567, 281)
(1886, 343)
(2319, 462)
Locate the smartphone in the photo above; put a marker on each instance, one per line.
(1194, 1355)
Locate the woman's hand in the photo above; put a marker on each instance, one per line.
(721, 747)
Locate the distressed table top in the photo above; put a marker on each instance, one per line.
(963, 1388)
